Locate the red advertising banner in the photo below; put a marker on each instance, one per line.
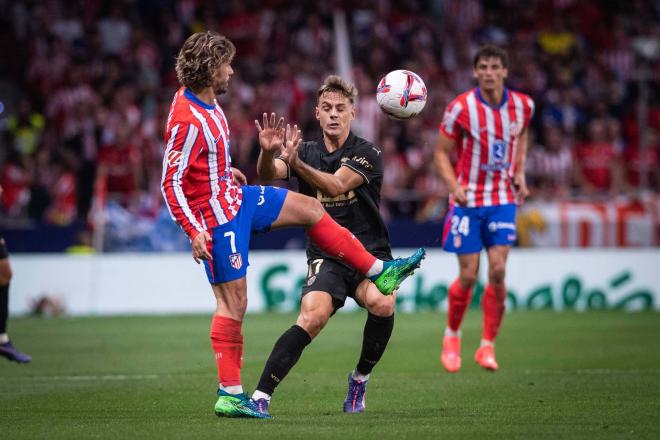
(625, 222)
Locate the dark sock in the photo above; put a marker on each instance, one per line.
(285, 354)
(4, 307)
(377, 332)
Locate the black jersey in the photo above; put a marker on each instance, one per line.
(358, 209)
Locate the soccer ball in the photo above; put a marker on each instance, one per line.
(401, 94)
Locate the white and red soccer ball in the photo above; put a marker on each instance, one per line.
(401, 94)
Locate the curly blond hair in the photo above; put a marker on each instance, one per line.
(199, 56)
(335, 83)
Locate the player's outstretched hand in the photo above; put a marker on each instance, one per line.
(520, 185)
(199, 249)
(271, 136)
(290, 150)
(239, 177)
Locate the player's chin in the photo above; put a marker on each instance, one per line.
(488, 83)
(219, 90)
(334, 130)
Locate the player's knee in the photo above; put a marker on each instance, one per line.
(314, 209)
(312, 323)
(234, 305)
(383, 306)
(496, 273)
(468, 279)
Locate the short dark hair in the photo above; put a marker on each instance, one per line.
(199, 56)
(335, 83)
(491, 51)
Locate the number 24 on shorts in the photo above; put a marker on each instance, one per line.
(460, 225)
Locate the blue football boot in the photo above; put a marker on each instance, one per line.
(10, 352)
(354, 402)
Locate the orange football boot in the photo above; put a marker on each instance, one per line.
(485, 357)
(451, 353)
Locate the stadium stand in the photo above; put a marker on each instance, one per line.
(85, 87)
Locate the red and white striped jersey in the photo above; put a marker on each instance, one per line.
(197, 181)
(487, 138)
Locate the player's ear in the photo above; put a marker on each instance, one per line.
(352, 112)
(505, 73)
(317, 113)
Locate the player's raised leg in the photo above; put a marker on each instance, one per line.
(493, 304)
(376, 335)
(339, 242)
(459, 297)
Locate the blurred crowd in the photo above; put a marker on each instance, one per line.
(85, 87)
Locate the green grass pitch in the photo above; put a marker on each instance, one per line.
(562, 375)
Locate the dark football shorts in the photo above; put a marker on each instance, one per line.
(3, 249)
(330, 276)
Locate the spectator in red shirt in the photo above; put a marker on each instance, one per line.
(598, 162)
(634, 158)
(119, 165)
(62, 210)
(15, 178)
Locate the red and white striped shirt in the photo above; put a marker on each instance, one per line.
(197, 181)
(487, 138)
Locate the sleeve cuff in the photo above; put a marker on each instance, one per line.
(288, 168)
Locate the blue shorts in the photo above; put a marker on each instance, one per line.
(468, 230)
(260, 208)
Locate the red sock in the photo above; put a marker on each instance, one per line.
(492, 304)
(459, 299)
(338, 242)
(227, 343)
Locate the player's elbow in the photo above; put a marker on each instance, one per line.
(440, 155)
(333, 192)
(336, 189)
(273, 175)
(5, 272)
(264, 174)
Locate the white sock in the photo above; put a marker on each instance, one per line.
(358, 376)
(450, 332)
(260, 395)
(486, 342)
(4, 338)
(233, 389)
(376, 268)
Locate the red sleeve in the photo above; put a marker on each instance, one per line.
(451, 121)
(179, 154)
(529, 109)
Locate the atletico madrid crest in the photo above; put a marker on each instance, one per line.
(173, 158)
(236, 261)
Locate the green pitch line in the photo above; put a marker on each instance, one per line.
(562, 375)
